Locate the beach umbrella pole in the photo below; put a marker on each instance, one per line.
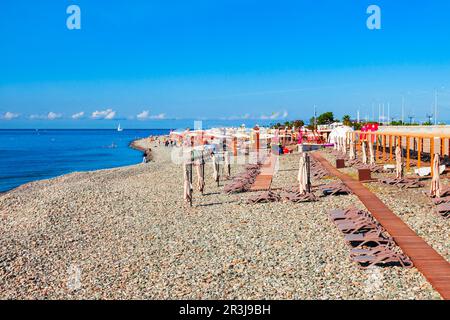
(218, 174)
(190, 179)
(202, 164)
(308, 173)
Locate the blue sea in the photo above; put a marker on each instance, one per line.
(29, 155)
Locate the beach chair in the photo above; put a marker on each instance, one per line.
(297, 197)
(443, 209)
(445, 192)
(264, 197)
(440, 200)
(371, 238)
(381, 255)
(359, 226)
(346, 214)
(363, 218)
(334, 189)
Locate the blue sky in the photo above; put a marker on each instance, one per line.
(143, 62)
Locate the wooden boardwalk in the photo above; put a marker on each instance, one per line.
(430, 263)
(264, 179)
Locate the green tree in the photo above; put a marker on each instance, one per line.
(325, 118)
(298, 123)
(346, 120)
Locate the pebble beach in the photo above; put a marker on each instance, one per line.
(126, 233)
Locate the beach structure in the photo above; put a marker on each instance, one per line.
(418, 145)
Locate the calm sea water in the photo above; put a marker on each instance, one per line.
(28, 155)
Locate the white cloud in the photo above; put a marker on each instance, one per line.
(78, 115)
(275, 115)
(145, 115)
(107, 114)
(9, 116)
(52, 115)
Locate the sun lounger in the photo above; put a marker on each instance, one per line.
(264, 197)
(297, 197)
(402, 182)
(443, 209)
(343, 214)
(355, 227)
(440, 200)
(445, 191)
(355, 219)
(384, 256)
(244, 180)
(334, 189)
(370, 238)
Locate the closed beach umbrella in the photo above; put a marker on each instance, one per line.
(200, 166)
(398, 162)
(435, 181)
(371, 154)
(345, 145)
(227, 163)
(302, 174)
(352, 154)
(215, 163)
(364, 153)
(187, 167)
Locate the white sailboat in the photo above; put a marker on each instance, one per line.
(119, 128)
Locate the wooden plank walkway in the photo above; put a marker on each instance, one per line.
(430, 263)
(264, 179)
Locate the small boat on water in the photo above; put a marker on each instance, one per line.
(119, 128)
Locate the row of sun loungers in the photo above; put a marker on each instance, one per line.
(293, 195)
(370, 246)
(317, 170)
(284, 195)
(243, 181)
(402, 182)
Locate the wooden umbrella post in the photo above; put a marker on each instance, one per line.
(376, 147)
(235, 146)
(190, 178)
(308, 173)
(383, 140)
(419, 151)
(390, 147)
(448, 143)
(431, 155)
(407, 153)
